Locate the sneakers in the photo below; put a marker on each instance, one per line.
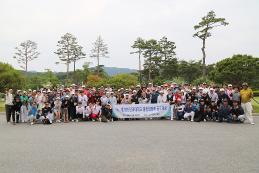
(252, 123)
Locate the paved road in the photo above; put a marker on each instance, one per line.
(130, 146)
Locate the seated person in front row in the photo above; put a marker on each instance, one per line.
(179, 110)
(237, 112)
(213, 111)
(46, 114)
(188, 110)
(224, 111)
(200, 114)
(79, 111)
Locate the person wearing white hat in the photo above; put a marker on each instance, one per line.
(213, 95)
(229, 91)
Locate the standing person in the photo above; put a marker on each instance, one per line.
(162, 98)
(9, 106)
(17, 106)
(24, 112)
(32, 113)
(72, 108)
(65, 104)
(112, 99)
(236, 95)
(57, 109)
(246, 95)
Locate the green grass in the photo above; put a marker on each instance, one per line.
(256, 105)
(2, 109)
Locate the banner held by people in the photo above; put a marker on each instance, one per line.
(142, 110)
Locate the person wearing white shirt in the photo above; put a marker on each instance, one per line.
(79, 111)
(161, 98)
(9, 105)
(83, 99)
(213, 95)
(104, 99)
(112, 99)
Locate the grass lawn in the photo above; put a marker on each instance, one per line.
(2, 109)
(256, 105)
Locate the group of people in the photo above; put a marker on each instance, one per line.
(81, 103)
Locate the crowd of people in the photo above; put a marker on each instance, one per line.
(81, 103)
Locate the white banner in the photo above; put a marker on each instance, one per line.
(141, 110)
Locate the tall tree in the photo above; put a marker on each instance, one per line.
(152, 58)
(27, 51)
(139, 44)
(99, 50)
(169, 61)
(77, 55)
(208, 22)
(68, 50)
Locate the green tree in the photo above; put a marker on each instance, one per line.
(189, 70)
(68, 50)
(10, 78)
(139, 44)
(77, 55)
(26, 52)
(203, 31)
(99, 50)
(152, 59)
(80, 76)
(169, 61)
(123, 81)
(237, 69)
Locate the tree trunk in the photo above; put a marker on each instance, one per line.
(149, 70)
(98, 65)
(139, 61)
(74, 66)
(26, 64)
(98, 60)
(203, 58)
(67, 70)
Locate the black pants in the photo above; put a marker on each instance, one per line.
(9, 112)
(72, 112)
(200, 116)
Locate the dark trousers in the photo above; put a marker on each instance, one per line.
(179, 115)
(9, 112)
(200, 116)
(224, 115)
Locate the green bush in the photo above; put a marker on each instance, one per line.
(256, 93)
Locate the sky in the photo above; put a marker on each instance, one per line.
(120, 22)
